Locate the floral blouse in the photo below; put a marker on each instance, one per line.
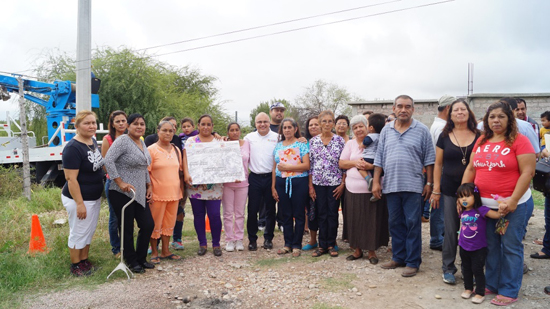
(323, 161)
(207, 191)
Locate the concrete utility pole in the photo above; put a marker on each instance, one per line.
(24, 141)
(84, 56)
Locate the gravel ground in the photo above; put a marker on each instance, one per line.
(264, 279)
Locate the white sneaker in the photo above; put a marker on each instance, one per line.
(239, 245)
(230, 247)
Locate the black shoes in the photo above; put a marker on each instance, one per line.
(252, 246)
(268, 244)
(217, 251)
(438, 248)
(147, 265)
(137, 269)
(202, 251)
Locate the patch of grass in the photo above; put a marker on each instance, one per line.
(275, 262)
(339, 283)
(11, 182)
(538, 197)
(22, 275)
(325, 306)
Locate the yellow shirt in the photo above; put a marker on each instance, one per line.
(543, 131)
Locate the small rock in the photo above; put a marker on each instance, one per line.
(212, 275)
(159, 268)
(186, 300)
(419, 297)
(226, 297)
(312, 286)
(372, 286)
(179, 298)
(437, 296)
(182, 274)
(358, 294)
(229, 285)
(179, 307)
(176, 302)
(354, 289)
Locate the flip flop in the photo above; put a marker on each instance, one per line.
(155, 260)
(538, 242)
(170, 257)
(539, 256)
(283, 250)
(501, 300)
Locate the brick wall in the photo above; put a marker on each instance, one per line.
(426, 109)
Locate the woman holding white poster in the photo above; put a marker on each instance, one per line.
(205, 198)
(290, 184)
(235, 195)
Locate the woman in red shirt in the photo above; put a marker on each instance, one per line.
(502, 165)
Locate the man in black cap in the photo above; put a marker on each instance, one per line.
(277, 114)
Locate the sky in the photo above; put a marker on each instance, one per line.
(392, 48)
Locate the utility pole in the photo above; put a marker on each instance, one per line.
(24, 141)
(84, 56)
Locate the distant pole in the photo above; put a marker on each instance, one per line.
(24, 141)
(470, 78)
(84, 56)
(236, 120)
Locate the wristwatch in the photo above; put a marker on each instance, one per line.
(430, 184)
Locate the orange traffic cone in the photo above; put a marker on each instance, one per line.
(38, 242)
(207, 224)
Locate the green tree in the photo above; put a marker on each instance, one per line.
(290, 111)
(138, 83)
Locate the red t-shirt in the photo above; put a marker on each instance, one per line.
(497, 169)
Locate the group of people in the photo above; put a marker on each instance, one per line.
(381, 178)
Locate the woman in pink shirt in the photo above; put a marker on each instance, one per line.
(235, 195)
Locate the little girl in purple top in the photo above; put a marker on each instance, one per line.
(472, 240)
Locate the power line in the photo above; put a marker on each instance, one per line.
(279, 32)
(306, 27)
(269, 25)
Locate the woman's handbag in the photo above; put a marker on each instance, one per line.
(541, 181)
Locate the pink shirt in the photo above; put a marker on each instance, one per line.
(355, 183)
(245, 152)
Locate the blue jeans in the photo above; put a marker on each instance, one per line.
(405, 229)
(504, 266)
(546, 239)
(425, 208)
(528, 213)
(437, 225)
(114, 236)
(291, 209)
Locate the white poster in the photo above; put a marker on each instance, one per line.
(215, 162)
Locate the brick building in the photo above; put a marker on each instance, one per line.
(425, 110)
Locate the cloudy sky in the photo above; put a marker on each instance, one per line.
(393, 48)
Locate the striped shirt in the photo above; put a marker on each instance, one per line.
(402, 157)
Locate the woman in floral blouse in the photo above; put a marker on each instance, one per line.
(326, 182)
(205, 198)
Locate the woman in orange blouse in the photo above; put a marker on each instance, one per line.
(165, 181)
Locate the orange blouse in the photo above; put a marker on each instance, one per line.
(164, 172)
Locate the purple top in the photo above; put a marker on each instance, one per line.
(323, 161)
(473, 229)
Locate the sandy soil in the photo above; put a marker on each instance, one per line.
(264, 279)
